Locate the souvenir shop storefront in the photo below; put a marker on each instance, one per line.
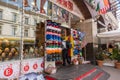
(46, 49)
(59, 29)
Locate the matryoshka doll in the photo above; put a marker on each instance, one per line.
(6, 50)
(3, 56)
(10, 55)
(0, 42)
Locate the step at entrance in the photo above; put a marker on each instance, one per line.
(80, 72)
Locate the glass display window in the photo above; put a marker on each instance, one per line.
(9, 50)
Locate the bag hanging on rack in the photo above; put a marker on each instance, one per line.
(50, 69)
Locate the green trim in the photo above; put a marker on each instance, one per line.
(90, 1)
(98, 6)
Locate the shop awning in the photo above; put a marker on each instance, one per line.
(111, 34)
(18, 39)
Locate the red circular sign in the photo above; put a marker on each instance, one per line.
(35, 66)
(42, 64)
(26, 68)
(8, 72)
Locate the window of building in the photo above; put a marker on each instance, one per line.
(0, 30)
(14, 17)
(26, 20)
(34, 34)
(26, 33)
(35, 21)
(1, 14)
(14, 30)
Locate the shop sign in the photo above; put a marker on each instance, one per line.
(60, 15)
(9, 70)
(67, 4)
(32, 65)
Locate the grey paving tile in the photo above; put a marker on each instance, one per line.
(72, 71)
(114, 73)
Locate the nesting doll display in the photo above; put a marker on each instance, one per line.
(7, 50)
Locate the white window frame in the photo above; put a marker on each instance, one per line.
(14, 17)
(26, 20)
(0, 30)
(26, 33)
(1, 14)
(35, 21)
(14, 30)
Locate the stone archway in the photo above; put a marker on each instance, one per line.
(83, 8)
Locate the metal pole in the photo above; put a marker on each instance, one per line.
(69, 22)
(21, 37)
(85, 52)
(52, 12)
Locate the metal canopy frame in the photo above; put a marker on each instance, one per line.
(115, 8)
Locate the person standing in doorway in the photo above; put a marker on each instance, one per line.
(65, 52)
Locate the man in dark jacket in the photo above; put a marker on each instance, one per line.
(66, 46)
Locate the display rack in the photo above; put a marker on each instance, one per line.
(53, 42)
(78, 41)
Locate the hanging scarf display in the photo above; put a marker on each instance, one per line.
(53, 41)
(78, 39)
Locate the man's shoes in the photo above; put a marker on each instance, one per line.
(64, 64)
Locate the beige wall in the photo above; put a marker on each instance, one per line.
(90, 29)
